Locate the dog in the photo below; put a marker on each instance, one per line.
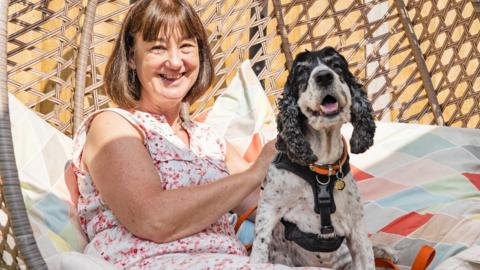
(309, 213)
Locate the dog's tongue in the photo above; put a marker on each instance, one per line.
(329, 107)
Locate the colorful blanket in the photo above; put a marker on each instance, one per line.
(421, 185)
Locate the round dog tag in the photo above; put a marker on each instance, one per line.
(339, 184)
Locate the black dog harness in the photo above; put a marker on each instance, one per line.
(322, 187)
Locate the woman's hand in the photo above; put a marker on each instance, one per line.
(255, 172)
(260, 166)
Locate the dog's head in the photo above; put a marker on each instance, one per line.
(321, 92)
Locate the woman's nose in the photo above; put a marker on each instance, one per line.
(174, 58)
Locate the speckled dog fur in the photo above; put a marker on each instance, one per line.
(307, 136)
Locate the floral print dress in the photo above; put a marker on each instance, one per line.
(216, 247)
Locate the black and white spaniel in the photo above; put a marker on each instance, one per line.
(310, 212)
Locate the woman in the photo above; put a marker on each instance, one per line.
(155, 191)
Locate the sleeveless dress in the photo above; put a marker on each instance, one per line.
(216, 247)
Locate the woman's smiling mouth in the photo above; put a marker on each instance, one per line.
(171, 77)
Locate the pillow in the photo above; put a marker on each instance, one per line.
(242, 114)
(421, 185)
(41, 152)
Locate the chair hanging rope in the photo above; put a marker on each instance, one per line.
(417, 53)
(282, 31)
(10, 184)
(82, 63)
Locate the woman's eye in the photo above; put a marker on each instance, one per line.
(187, 46)
(158, 49)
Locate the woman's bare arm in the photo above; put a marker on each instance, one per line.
(237, 164)
(125, 176)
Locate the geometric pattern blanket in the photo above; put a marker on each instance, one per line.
(421, 185)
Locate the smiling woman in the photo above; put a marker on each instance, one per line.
(166, 69)
(159, 39)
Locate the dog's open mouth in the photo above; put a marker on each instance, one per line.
(328, 107)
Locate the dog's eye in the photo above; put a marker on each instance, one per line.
(335, 65)
(299, 69)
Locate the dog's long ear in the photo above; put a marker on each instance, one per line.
(290, 123)
(280, 144)
(361, 118)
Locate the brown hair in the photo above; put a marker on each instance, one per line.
(150, 17)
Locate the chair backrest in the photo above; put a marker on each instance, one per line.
(418, 59)
(416, 66)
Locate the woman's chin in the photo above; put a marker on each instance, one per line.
(171, 93)
(173, 96)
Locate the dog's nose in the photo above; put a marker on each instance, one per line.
(324, 78)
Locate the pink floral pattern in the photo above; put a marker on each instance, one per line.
(216, 247)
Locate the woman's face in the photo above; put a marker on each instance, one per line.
(167, 68)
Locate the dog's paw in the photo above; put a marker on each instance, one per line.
(386, 253)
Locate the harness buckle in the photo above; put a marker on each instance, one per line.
(327, 230)
(319, 181)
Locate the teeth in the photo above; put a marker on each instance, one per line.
(171, 76)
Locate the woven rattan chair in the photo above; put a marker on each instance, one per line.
(419, 61)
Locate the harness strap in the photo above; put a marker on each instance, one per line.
(422, 260)
(283, 162)
(322, 188)
(384, 263)
(326, 206)
(241, 219)
(309, 241)
(244, 216)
